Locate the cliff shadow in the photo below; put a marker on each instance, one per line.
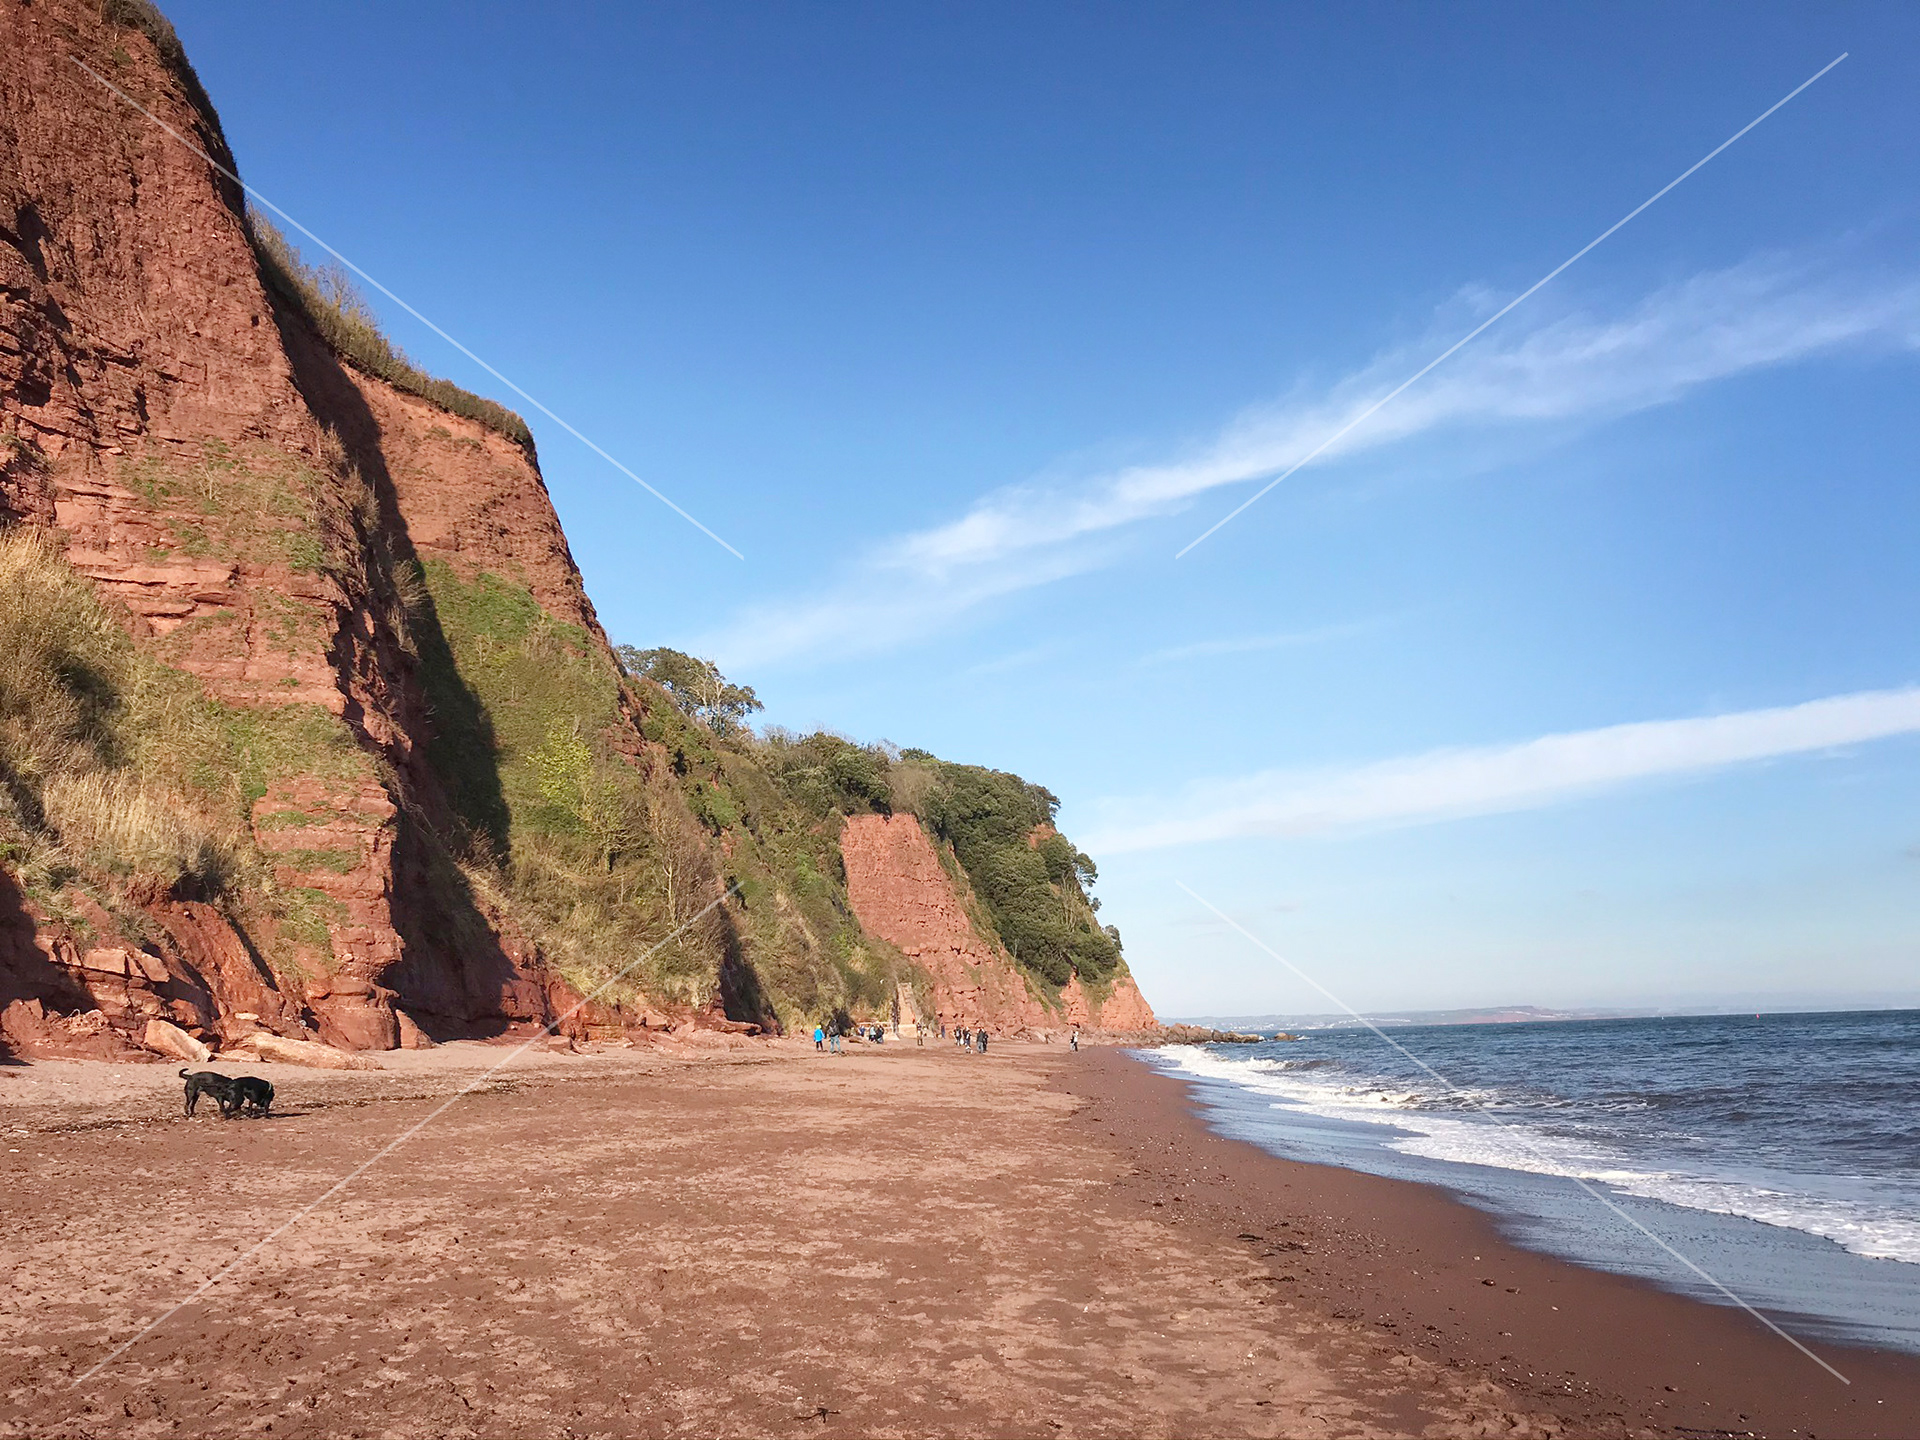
(454, 972)
(742, 995)
(459, 983)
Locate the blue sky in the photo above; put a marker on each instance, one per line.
(959, 323)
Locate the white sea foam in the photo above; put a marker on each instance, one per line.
(1866, 1222)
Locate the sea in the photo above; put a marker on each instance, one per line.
(1778, 1154)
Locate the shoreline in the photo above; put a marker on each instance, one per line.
(895, 1241)
(1604, 1353)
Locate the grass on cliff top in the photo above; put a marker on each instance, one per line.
(120, 776)
(334, 306)
(145, 17)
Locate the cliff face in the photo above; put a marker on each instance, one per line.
(245, 502)
(903, 894)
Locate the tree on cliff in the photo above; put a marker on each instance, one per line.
(1031, 878)
(824, 772)
(695, 685)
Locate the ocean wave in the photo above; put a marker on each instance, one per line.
(1868, 1223)
(1277, 1067)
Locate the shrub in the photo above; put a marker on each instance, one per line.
(826, 774)
(912, 781)
(713, 808)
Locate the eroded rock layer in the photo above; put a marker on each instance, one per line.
(904, 894)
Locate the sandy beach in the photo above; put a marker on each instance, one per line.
(898, 1241)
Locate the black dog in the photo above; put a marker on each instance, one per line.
(233, 1093)
(256, 1092)
(220, 1087)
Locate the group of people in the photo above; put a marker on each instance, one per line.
(826, 1036)
(969, 1039)
(827, 1033)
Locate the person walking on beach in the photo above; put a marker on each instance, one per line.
(833, 1038)
(1073, 1041)
(983, 1042)
(819, 1038)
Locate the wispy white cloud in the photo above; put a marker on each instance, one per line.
(880, 607)
(1017, 660)
(1251, 644)
(1448, 784)
(1581, 366)
(1576, 367)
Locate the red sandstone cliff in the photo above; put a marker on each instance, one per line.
(902, 893)
(145, 366)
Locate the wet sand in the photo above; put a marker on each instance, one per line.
(760, 1241)
(1432, 1276)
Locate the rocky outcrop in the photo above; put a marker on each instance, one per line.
(1122, 1009)
(902, 893)
(134, 310)
(309, 1053)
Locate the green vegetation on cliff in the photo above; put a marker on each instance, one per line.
(122, 782)
(1029, 878)
(604, 847)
